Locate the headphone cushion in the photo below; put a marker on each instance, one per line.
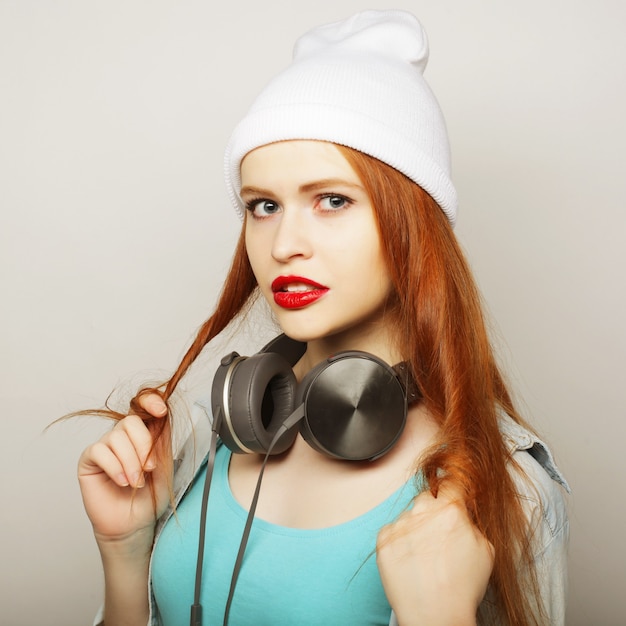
(261, 397)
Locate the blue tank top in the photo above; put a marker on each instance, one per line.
(289, 576)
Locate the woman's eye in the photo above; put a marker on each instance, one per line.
(262, 208)
(333, 202)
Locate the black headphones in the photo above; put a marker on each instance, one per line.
(353, 405)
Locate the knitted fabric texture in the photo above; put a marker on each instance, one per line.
(359, 83)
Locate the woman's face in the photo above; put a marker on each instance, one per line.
(313, 244)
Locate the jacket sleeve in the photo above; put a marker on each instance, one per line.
(544, 502)
(541, 492)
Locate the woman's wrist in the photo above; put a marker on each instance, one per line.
(126, 564)
(134, 547)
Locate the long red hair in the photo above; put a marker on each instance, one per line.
(444, 338)
(443, 334)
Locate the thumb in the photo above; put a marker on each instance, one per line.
(149, 404)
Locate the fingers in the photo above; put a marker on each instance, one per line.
(434, 561)
(440, 519)
(123, 454)
(449, 512)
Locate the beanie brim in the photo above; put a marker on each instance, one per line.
(311, 121)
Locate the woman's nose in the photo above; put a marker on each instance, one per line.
(292, 237)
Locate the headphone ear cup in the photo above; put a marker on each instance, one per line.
(258, 395)
(355, 407)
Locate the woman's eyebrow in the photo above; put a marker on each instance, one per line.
(329, 182)
(324, 183)
(248, 190)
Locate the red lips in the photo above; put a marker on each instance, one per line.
(295, 292)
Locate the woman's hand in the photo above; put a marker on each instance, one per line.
(113, 475)
(434, 564)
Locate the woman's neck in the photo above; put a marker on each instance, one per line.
(379, 344)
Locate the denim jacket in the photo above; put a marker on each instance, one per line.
(542, 498)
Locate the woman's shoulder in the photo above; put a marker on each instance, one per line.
(524, 445)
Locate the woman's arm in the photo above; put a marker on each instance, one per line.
(114, 474)
(125, 567)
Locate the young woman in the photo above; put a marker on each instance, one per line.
(340, 171)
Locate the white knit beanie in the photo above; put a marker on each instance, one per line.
(358, 83)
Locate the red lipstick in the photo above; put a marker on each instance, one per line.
(295, 292)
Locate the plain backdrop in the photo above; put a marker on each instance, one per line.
(115, 234)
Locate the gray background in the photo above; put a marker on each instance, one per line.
(115, 233)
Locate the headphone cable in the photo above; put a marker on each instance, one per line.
(291, 421)
(196, 608)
